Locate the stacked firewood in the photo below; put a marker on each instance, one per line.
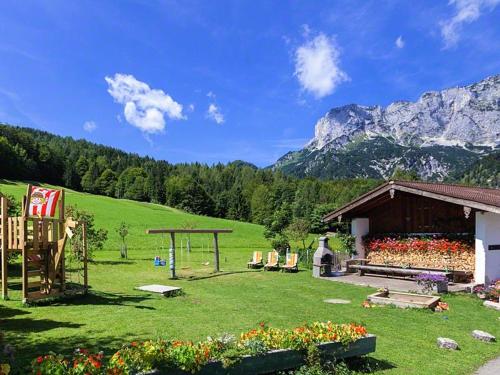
(463, 261)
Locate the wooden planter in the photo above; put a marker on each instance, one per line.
(281, 360)
(404, 300)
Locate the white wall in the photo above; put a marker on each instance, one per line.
(487, 261)
(360, 227)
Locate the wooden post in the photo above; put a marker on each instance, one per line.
(22, 240)
(85, 271)
(61, 215)
(172, 256)
(26, 202)
(61, 234)
(4, 244)
(216, 251)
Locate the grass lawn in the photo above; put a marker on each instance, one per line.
(233, 301)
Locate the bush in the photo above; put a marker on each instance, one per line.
(347, 242)
(280, 244)
(95, 237)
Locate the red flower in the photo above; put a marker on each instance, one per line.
(39, 359)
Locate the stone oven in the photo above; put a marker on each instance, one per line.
(323, 259)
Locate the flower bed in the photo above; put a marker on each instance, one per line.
(436, 253)
(260, 350)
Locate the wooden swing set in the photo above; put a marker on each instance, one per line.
(40, 236)
(173, 231)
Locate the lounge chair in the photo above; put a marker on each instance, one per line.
(272, 261)
(291, 263)
(256, 260)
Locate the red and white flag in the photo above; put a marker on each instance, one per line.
(43, 202)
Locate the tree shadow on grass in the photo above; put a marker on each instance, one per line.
(218, 274)
(113, 262)
(35, 325)
(368, 365)
(106, 299)
(8, 312)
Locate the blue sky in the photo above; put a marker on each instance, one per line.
(222, 80)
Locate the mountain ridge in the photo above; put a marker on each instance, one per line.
(461, 121)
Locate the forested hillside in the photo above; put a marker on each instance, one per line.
(484, 172)
(237, 190)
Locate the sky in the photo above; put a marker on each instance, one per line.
(216, 81)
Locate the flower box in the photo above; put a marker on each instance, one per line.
(283, 359)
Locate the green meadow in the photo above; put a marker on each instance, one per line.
(232, 301)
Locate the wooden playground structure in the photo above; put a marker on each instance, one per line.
(172, 233)
(40, 236)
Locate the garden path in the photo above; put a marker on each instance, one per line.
(490, 368)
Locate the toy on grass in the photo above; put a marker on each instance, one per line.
(160, 262)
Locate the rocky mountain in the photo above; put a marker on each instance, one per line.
(441, 134)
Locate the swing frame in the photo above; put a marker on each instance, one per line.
(174, 231)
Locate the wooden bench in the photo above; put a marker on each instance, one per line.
(387, 270)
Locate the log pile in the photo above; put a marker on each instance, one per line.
(463, 260)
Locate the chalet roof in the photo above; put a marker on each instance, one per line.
(481, 199)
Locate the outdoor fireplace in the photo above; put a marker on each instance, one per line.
(323, 259)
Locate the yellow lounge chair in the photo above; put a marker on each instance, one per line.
(256, 260)
(272, 261)
(291, 263)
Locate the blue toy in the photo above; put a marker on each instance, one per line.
(160, 262)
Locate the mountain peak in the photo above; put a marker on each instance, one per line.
(465, 117)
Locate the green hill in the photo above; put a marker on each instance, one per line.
(110, 212)
(232, 301)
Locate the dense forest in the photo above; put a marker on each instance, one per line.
(237, 190)
(485, 172)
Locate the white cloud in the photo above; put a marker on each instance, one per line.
(211, 95)
(400, 43)
(144, 108)
(191, 107)
(89, 126)
(466, 11)
(317, 66)
(214, 113)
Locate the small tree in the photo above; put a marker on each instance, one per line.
(122, 231)
(298, 231)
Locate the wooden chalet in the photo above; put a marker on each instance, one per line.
(413, 208)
